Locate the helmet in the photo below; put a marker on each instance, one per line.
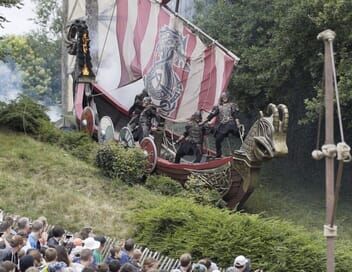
(197, 116)
(147, 100)
(224, 96)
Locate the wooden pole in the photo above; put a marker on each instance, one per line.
(64, 76)
(177, 6)
(329, 232)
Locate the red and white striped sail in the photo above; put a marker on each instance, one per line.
(182, 73)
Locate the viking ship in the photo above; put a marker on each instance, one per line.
(118, 48)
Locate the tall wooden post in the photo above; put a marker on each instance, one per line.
(92, 12)
(329, 231)
(64, 76)
(177, 5)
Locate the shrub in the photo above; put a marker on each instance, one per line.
(24, 115)
(163, 185)
(116, 161)
(178, 226)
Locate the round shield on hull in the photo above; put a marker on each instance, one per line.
(87, 120)
(126, 137)
(106, 130)
(148, 145)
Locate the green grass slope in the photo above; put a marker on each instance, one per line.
(39, 179)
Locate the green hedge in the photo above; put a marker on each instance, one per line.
(163, 185)
(116, 161)
(179, 226)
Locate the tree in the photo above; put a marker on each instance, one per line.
(8, 4)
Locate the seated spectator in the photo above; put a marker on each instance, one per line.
(127, 252)
(57, 234)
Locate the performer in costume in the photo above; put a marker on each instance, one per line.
(192, 139)
(228, 121)
(136, 109)
(148, 120)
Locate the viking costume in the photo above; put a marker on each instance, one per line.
(136, 109)
(147, 120)
(227, 121)
(193, 139)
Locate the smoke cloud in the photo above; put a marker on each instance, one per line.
(10, 82)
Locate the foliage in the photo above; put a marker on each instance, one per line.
(24, 115)
(163, 185)
(179, 226)
(37, 60)
(115, 161)
(8, 4)
(49, 16)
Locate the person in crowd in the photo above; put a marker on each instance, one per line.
(62, 255)
(199, 268)
(85, 260)
(98, 252)
(127, 267)
(91, 243)
(127, 252)
(185, 262)
(23, 224)
(11, 221)
(114, 254)
(9, 266)
(228, 123)
(26, 262)
(34, 236)
(43, 239)
(38, 260)
(57, 235)
(148, 120)
(211, 266)
(5, 229)
(136, 109)
(192, 139)
(240, 264)
(50, 257)
(85, 232)
(136, 257)
(150, 264)
(114, 266)
(102, 267)
(10, 253)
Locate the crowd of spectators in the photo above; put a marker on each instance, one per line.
(28, 247)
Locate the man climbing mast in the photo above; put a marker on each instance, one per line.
(228, 122)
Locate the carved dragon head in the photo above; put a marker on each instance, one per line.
(267, 137)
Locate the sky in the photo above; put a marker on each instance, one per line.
(19, 18)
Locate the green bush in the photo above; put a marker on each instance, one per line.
(24, 115)
(179, 226)
(114, 160)
(163, 185)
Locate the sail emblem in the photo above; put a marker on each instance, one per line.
(162, 81)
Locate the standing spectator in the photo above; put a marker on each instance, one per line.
(26, 262)
(97, 253)
(150, 265)
(62, 255)
(185, 262)
(85, 260)
(199, 268)
(114, 254)
(240, 264)
(114, 266)
(38, 260)
(5, 229)
(44, 235)
(127, 252)
(137, 254)
(11, 253)
(23, 225)
(57, 235)
(33, 238)
(11, 221)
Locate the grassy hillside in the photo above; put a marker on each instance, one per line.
(40, 179)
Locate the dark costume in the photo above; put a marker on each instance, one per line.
(192, 145)
(147, 119)
(136, 109)
(226, 113)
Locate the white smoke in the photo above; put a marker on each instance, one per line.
(10, 82)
